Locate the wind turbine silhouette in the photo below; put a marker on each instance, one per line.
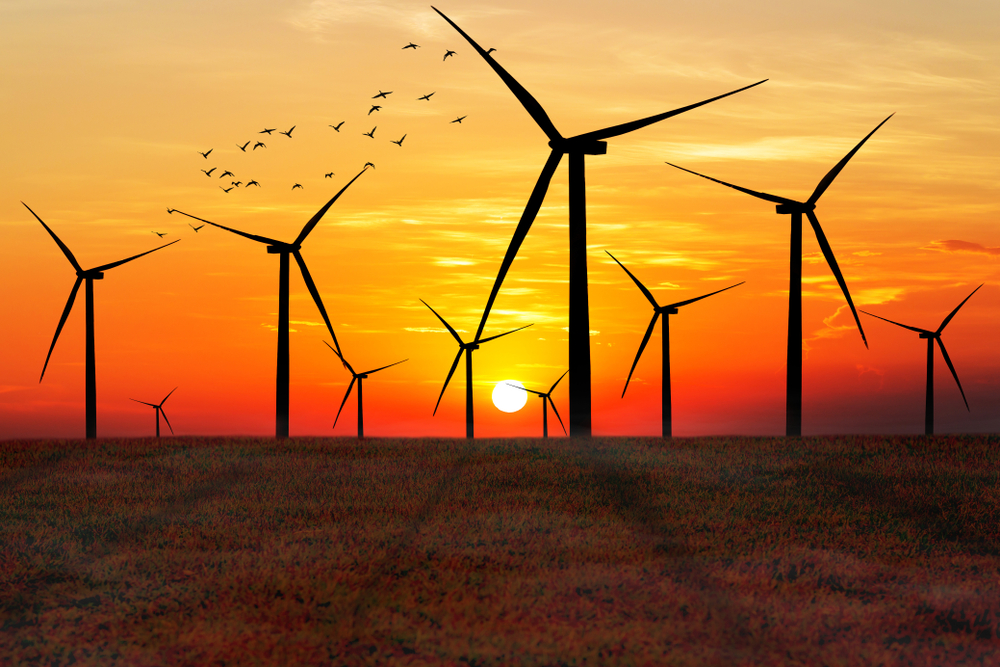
(932, 336)
(590, 143)
(793, 367)
(359, 377)
(666, 410)
(159, 410)
(467, 349)
(546, 398)
(283, 250)
(88, 275)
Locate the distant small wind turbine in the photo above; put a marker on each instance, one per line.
(932, 336)
(359, 378)
(546, 398)
(159, 410)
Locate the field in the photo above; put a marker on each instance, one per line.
(707, 551)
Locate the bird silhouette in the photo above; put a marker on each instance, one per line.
(243, 147)
(209, 172)
(381, 94)
(426, 97)
(337, 126)
(459, 119)
(225, 189)
(259, 144)
(289, 133)
(330, 175)
(398, 143)
(253, 183)
(160, 234)
(267, 130)
(446, 54)
(189, 224)
(205, 155)
(297, 186)
(370, 134)
(227, 173)
(411, 45)
(375, 107)
(236, 184)
(369, 164)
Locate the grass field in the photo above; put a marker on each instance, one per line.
(706, 551)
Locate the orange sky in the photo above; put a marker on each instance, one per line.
(107, 104)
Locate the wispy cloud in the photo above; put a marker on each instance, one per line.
(953, 245)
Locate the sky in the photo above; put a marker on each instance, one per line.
(107, 105)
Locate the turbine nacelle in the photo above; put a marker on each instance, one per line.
(794, 207)
(929, 334)
(667, 310)
(583, 146)
(91, 275)
(284, 247)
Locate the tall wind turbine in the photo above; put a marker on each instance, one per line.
(467, 349)
(932, 336)
(88, 275)
(283, 250)
(590, 143)
(546, 399)
(159, 410)
(357, 377)
(666, 412)
(795, 209)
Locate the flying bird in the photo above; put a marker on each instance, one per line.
(446, 54)
(330, 175)
(225, 189)
(160, 234)
(426, 97)
(297, 186)
(243, 147)
(189, 224)
(337, 126)
(381, 94)
(236, 184)
(227, 173)
(398, 143)
(267, 130)
(459, 119)
(205, 155)
(289, 133)
(411, 45)
(209, 172)
(370, 134)
(253, 183)
(259, 144)
(375, 107)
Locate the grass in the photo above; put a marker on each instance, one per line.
(630, 551)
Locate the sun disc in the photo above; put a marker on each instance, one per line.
(508, 398)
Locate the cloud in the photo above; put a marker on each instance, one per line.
(953, 245)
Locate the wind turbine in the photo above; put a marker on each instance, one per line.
(356, 377)
(467, 349)
(546, 399)
(932, 336)
(159, 410)
(793, 364)
(666, 412)
(590, 143)
(88, 275)
(283, 250)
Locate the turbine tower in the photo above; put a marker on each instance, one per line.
(88, 275)
(932, 336)
(546, 399)
(666, 411)
(577, 147)
(795, 209)
(159, 411)
(283, 250)
(357, 377)
(467, 349)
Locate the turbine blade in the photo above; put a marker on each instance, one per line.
(553, 404)
(343, 402)
(952, 313)
(531, 391)
(753, 193)
(486, 340)
(529, 103)
(624, 128)
(342, 360)
(553, 387)
(152, 405)
(106, 267)
(703, 296)
(824, 245)
(384, 367)
(951, 367)
(649, 297)
(62, 246)
(828, 179)
(320, 213)
(315, 294)
(642, 346)
(167, 396)
(905, 326)
(164, 413)
(448, 326)
(62, 321)
(447, 380)
(252, 237)
(521, 231)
